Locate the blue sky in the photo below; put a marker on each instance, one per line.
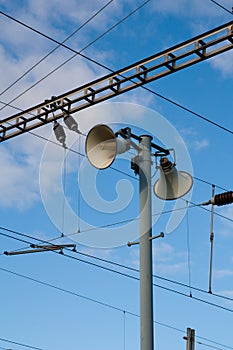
(92, 306)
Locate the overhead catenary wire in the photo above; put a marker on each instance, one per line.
(121, 171)
(67, 47)
(20, 344)
(214, 342)
(110, 262)
(112, 167)
(221, 6)
(59, 45)
(105, 67)
(208, 345)
(123, 274)
(192, 205)
(104, 304)
(188, 250)
(64, 175)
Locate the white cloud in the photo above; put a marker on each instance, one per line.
(224, 63)
(223, 273)
(193, 139)
(185, 8)
(199, 145)
(227, 293)
(163, 252)
(166, 260)
(19, 187)
(170, 269)
(226, 226)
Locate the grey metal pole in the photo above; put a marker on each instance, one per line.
(188, 339)
(146, 288)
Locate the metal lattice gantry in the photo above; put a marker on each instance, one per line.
(190, 52)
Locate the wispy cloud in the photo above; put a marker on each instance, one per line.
(18, 186)
(166, 260)
(227, 293)
(199, 145)
(202, 9)
(223, 273)
(193, 139)
(226, 226)
(224, 63)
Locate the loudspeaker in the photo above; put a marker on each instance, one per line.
(102, 146)
(172, 184)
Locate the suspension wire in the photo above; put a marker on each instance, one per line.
(107, 68)
(189, 283)
(67, 47)
(64, 173)
(113, 263)
(209, 183)
(208, 345)
(101, 303)
(188, 110)
(20, 344)
(128, 175)
(209, 210)
(193, 205)
(124, 329)
(123, 274)
(188, 249)
(214, 342)
(224, 8)
(115, 169)
(79, 192)
(59, 45)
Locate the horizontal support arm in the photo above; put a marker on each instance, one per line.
(171, 60)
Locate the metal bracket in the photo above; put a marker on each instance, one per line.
(157, 236)
(129, 244)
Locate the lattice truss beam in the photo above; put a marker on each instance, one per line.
(169, 61)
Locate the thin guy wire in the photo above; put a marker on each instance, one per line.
(124, 329)
(95, 228)
(79, 192)
(64, 189)
(67, 47)
(214, 342)
(103, 66)
(59, 45)
(155, 214)
(208, 345)
(120, 222)
(188, 248)
(188, 110)
(120, 171)
(134, 277)
(111, 262)
(20, 344)
(115, 169)
(98, 302)
(224, 8)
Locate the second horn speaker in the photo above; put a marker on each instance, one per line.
(172, 184)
